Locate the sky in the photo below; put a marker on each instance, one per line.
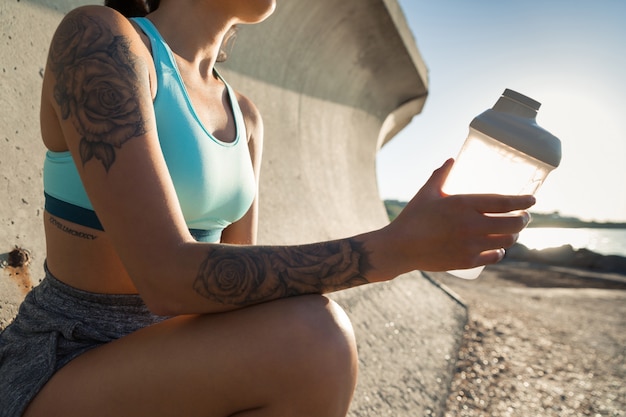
(569, 55)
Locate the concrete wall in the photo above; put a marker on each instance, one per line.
(334, 80)
(25, 33)
(326, 74)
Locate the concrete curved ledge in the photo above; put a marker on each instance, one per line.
(326, 75)
(335, 80)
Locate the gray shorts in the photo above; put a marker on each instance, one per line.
(54, 325)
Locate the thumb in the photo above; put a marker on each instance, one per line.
(439, 176)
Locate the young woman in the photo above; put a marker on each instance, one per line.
(157, 300)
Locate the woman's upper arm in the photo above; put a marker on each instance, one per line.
(244, 231)
(99, 86)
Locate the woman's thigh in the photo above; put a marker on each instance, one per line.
(295, 356)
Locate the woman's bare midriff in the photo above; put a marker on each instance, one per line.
(84, 258)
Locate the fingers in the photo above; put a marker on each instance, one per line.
(438, 232)
(494, 203)
(484, 241)
(438, 177)
(489, 250)
(493, 242)
(490, 257)
(503, 224)
(485, 238)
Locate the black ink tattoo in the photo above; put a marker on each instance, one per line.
(96, 85)
(255, 274)
(71, 231)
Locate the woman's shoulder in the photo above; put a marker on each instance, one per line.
(95, 53)
(97, 12)
(99, 35)
(86, 23)
(251, 116)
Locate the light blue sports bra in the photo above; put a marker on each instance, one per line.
(214, 180)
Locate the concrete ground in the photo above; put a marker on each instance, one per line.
(540, 341)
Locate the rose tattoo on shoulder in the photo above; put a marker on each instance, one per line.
(96, 85)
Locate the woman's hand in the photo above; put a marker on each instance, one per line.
(438, 232)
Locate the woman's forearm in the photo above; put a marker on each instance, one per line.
(244, 275)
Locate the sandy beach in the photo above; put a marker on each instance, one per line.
(540, 341)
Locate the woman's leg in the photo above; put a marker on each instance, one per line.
(292, 357)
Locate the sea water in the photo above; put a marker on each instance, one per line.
(602, 241)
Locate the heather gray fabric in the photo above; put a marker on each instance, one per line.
(55, 324)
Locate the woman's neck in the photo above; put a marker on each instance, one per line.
(193, 31)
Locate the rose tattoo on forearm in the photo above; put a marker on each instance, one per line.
(255, 274)
(96, 85)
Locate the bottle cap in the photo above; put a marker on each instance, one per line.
(512, 122)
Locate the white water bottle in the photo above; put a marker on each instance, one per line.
(505, 152)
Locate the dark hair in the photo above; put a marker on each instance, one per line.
(133, 8)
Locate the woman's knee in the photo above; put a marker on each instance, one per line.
(319, 320)
(323, 332)
(322, 354)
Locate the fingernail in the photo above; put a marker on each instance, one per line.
(528, 218)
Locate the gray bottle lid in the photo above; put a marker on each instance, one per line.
(512, 122)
